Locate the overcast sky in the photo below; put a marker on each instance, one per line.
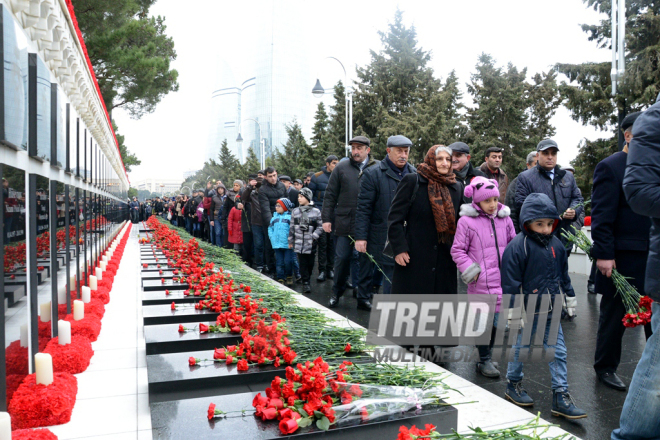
(529, 33)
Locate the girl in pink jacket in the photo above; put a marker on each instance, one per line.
(483, 231)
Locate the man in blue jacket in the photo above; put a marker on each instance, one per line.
(326, 248)
(377, 188)
(640, 416)
(559, 185)
(621, 241)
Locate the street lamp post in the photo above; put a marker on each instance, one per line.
(319, 91)
(239, 139)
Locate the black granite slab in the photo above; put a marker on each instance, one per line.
(156, 297)
(154, 267)
(171, 378)
(14, 293)
(165, 338)
(21, 278)
(167, 274)
(145, 230)
(151, 285)
(152, 259)
(163, 314)
(187, 419)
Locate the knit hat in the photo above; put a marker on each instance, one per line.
(481, 189)
(285, 204)
(306, 193)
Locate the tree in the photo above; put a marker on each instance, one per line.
(397, 93)
(132, 192)
(230, 167)
(509, 112)
(130, 53)
(588, 92)
(251, 165)
(288, 161)
(127, 157)
(315, 154)
(337, 122)
(143, 194)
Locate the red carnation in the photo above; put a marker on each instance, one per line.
(181, 328)
(211, 411)
(203, 328)
(167, 292)
(288, 426)
(173, 306)
(347, 348)
(219, 353)
(229, 360)
(268, 413)
(192, 361)
(242, 365)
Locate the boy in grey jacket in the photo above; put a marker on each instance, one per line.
(306, 228)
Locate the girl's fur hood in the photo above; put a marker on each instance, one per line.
(470, 210)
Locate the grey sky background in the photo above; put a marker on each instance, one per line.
(528, 33)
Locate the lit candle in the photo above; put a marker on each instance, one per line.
(44, 308)
(93, 282)
(78, 310)
(86, 294)
(5, 426)
(63, 332)
(99, 273)
(43, 365)
(24, 335)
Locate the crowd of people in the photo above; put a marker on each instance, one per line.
(417, 229)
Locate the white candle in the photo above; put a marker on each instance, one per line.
(72, 282)
(5, 426)
(43, 365)
(86, 294)
(44, 309)
(63, 332)
(99, 273)
(61, 295)
(24, 335)
(104, 265)
(104, 258)
(93, 282)
(78, 310)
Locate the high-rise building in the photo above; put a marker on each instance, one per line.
(278, 93)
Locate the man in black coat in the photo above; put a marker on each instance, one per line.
(326, 248)
(339, 207)
(641, 184)
(463, 169)
(377, 188)
(621, 241)
(271, 190)
(291, 192)
(510, 200)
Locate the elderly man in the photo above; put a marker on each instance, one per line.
(640, 415)
(510, 199)
(339, 207)
(377, 188)
(318, 185)
(491, 169)
(460, 163)
(621, 241)
(559, 185)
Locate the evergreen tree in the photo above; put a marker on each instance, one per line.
(230, 167)
(588, 93)
(251, 165)
(288, 159)
(337, 122)
(314, 157)
(509, 112)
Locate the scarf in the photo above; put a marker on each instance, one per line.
(462, 174)
(541, 238)
(441, 204)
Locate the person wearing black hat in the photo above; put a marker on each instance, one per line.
(377, 188)
(510, 200)
(291, 191)
(326, 248)
(491, 169)
(559, 185)
(298, 184)
(463, 169)
(339, 207)
(621, 241)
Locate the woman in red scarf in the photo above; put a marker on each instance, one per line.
(421, 226)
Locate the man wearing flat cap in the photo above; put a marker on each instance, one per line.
(377, 188)
(460, 163)
(559, 185)
(621, 241)
(339, 207)
(291, 191)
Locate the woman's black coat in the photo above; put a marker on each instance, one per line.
(431, 268)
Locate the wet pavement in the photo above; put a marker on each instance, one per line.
(603, 405)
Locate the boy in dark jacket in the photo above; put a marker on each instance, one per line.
(306, 228)
(536, 263)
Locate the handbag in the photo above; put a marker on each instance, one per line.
(169, 215)
(387, 250)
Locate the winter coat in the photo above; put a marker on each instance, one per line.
(617, 232)
(278, 231)
(305, 229)
(268, 196)
(318, 185)
(227, 207)
(218, 202)
(640, 185)
(501, 178)
(510, 201)
(478, 246)
(251, 195)
(234, 226)
(292, 195)
(471, 173)
(341, 196)
(528, 266)
(562, 191)
(377, 188)
(431, 269)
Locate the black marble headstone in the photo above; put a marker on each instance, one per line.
(151, 267)
(165, 338)
(151, 285)
(185, 419)
(160, 297)
(165, 315)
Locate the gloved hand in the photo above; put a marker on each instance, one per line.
(514, 319)
(571, 305)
